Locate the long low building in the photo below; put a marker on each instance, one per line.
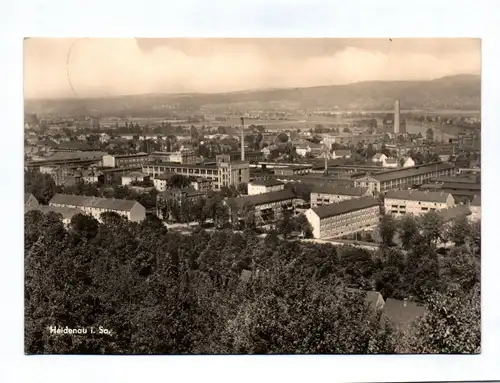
(344, 218)
(95, 206)
(264, 186)
(124, 160)
(416, 202)
(325, 195)
(404, 178)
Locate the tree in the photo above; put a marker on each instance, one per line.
(432, 227)
(178, 181)
(429, 134)
(460, 231)
(198, 211)
(242, 188)
(282, 137)
(451, 325)
(42, 186)
(387, 229)
(409, 231)
(302, 224)
(284, 224)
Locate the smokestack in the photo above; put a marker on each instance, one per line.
(242, 139)
(396, 117)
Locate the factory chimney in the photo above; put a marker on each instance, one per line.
(242, 139)
(396, 117)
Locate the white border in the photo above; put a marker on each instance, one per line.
(353, 18)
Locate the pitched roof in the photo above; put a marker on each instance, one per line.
(402, 313)
(389, 175)
(339, 190)
(66, 212)
(454, 212)
(135, 174)
(95, 202)
(418, 195)
(477, 200)
(261, 199)
(371, 297)
(27, 196)
(267, 182)
(345, 206)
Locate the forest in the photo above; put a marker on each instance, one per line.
(226, 292)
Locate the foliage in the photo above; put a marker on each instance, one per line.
(387, 229)
(161, 292)
(452, 324)
(41, 185)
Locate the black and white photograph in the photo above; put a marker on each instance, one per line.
(252, 196)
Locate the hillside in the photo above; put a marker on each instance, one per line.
(461, 92)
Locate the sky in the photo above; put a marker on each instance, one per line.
(93, 67)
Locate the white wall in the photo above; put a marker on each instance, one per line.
(314, 220)
(108, 161)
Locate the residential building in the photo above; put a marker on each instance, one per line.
(404, 178)
(135, 176)
(325, 195)
(390, 163)
(343, 139)
(114, 175)
(379, 157)
(264, 186)
(30, 202)
(124, 160)
(95, 206)
(201, 184)
(302, 150)
(416, 202)
(160, 182)
(475, 208)
(268, 206)
(340, 153)
(220, 173)
(183, 197)
(90, 176)
(408, 162)
(66, 213)
(345, 217)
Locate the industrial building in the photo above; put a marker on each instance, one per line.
(344, 218)
(124, 160)
(404, 178)
(220, 173)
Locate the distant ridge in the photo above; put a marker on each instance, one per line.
(450, 92)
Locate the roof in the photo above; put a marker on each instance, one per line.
(264, 198)
(66, 212)
(189, 191)
(342, 152)
(95, 202)
(165, 176)
(339, 190)
(186, 166)
(454, 212)
(128, 155)
(267, 182)
(418, 195)
(411, 171)
(477, 200)
(345, 206)
(371, 297)
(378, 156)
(134, 174)
(402, 313)
(27, 196)
(391, 161)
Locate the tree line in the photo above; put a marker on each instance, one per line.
(226, 292)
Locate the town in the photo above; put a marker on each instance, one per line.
(258, 222)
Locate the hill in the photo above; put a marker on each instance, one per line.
(460, 92)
